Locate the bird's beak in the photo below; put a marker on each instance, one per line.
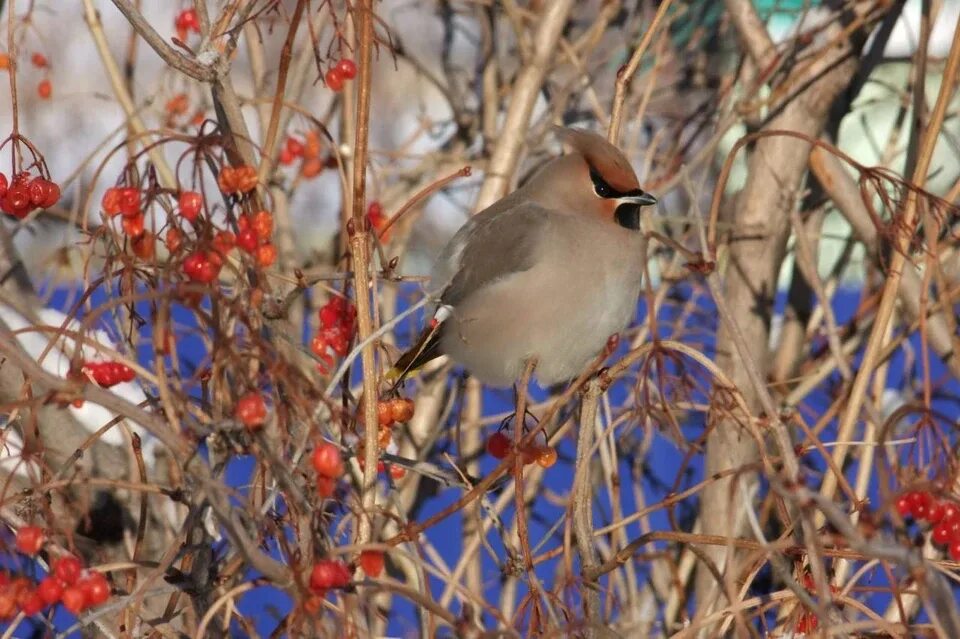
(627, 213)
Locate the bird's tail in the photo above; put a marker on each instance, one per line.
(426, 349)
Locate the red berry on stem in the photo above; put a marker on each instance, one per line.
(30, 540)
(326, 460)
(74, 599)
(3, 185)
(190, 203)
(96, 588)
(67, 569)
(31, 603)
(499, 445)
(347, 68)
(247, 239)
(50, 590)
(251, 410)
(334, 79)
(941, 534)
(372, 562)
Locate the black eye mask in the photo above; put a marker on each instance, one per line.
(627, 214)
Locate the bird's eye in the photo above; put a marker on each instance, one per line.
(600, 187)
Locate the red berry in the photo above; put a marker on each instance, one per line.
(293, 146)
(202, 267)
(247, 239)
(499, 445)
(39, 60)
(45, 89)
(251, 410)
(95, 588)
(326, 460)
(50, 590)
(950, 511)
(129, 202)
(334, 79)
(67, 569)
(935, 511)
(187, 20)
(31, 603)
(941, 534)
(372, 562)
(955, 550)
(286, 158)
(347, 68)
(111, 201)
(328, 573)
(74, 599)
(190, 203)
(18, 196)
(30, 540)
(3, 185)
(174, 239)
(326, 486)
(43, 192)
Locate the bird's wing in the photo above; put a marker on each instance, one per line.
(493, 244)
(496, 243)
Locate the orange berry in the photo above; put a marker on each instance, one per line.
(402, 409)
(45, 89)
(251, 410)
(38, 60)
(263, 225)
(311, 168)
(144, 246)
(385, 413)
(547, 456)
(4, 61)
(266, 255)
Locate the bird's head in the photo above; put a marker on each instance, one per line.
(595, 178)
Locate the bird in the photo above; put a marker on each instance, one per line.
(549, 272)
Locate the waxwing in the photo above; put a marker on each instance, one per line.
(551, 271)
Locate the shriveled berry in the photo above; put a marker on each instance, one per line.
(402, 409)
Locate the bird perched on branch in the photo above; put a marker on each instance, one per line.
(548, 272)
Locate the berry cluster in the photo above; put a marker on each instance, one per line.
(943, 516)
(237, 180)
(389, 413)
(185, 22)
(308, 150)
(328, 463)
(499, 446)
(125, 201)
(343, 70)
(24, 193)
(68, 583)
(338, 323)
(107, 373)
(251, 410)
(253, 237)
